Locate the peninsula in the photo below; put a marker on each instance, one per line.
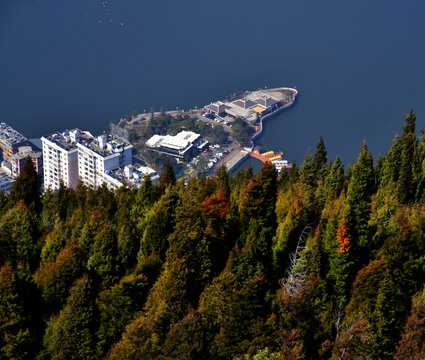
(201, 140)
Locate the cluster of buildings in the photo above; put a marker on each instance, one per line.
(250, 107)
(15, 149)
(75, 155)
(70, 157)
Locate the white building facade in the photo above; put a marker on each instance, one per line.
(98, 155)
(60, 157)
(76, 155)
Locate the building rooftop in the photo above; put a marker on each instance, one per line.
(68, 139)
(133, 176)
(24, 151)
(10, 135)
(178, 142)
(105, 145)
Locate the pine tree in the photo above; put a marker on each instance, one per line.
(258, 201)
(245, 307)
(388, 318)
(408, 146)
(118, 306)
(320, 161)
(70, 334)
(27, 187)
(55, 278)
(168, 177)
(144, 198)
(307, 173)
(16, 339)
(103, 260)
(334, 182)
(412, 343)
(222, 179)
(360, 190)
(20, 233)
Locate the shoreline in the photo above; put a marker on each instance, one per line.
(260, 129)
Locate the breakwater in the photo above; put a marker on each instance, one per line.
(266, 117)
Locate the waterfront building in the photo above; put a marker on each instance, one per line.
(73, 156)
(130, 176)
(10, 141)
(98, 155)
(177, 145)
(217, 108)
(252, 106)
(20, 158)
(60, 156)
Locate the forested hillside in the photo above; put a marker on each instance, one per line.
(321, 262)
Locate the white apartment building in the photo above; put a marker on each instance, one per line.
(60, 156)
(101, 154)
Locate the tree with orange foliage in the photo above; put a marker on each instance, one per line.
(344, 237)
(215, 207)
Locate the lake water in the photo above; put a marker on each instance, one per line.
(359, 65)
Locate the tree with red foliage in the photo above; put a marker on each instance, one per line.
(215, 207)
(344, 237)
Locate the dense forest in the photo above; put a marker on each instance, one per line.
(320, 262)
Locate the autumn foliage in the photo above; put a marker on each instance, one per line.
(344, 237)
(215, 206)
(319, 262)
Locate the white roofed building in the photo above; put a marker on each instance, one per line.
(130, 176)
(176, 145)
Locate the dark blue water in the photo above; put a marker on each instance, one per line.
(359, 65)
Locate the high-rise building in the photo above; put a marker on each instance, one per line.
(101, 154)
(60, 155)
(10, 141)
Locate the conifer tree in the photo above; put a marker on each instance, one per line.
(20, 233)
(16, 339)
(118, 306)
(70, 335)
(144, 198)
(55, 277)
(389, 317)
(307, 173)
(360, 190)
(158, 225)
(392, 163)
(222, 179)
(127, 246)
(334, 182)
(27, 187)
(258, 200)
(245, 308)
(412, 343)
(320, 160)
(168, 177)
(408, 147)
(103, 260)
